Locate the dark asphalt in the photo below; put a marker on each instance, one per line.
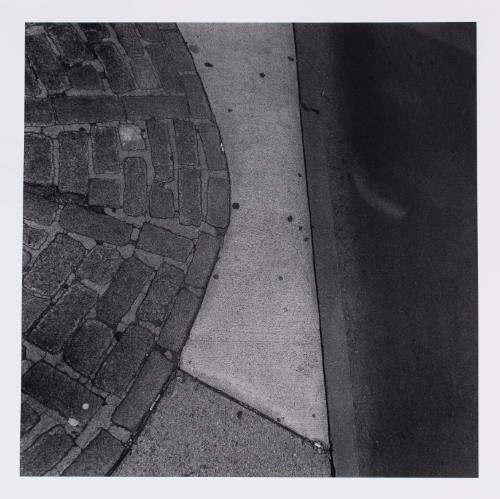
(389, 129)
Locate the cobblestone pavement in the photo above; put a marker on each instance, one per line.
(126, 202)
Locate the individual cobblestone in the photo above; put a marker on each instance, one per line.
(38, 209)
(135, 194)
(185, 142)
(88, 346)
(121, 294)
(149, 32)
(131, 137)
(73, 162)
(46, 63)
(63, 319)
(125, 359)
(211, 141)
(88, 109)
(26, 259)
(204, 258)
(176, 328)
(32, 237)
(38, 166)
(72, 48)
(54, 265)
(189, 197)
(218, 202)
(105, 192)
(38, 112)
(105, 150)
(161, 201)
(100, 265)
(198, 103)
(95, 32)
(129, 39)
(153, 376)
(98, 458)
(29, 418)
(60, 393)
(165, 243)
(144, 74)
(162, 291)
(33, 306)
(85, 78)
(119, 76)
(161, 154)
(46, 452)
(98, 226)
(177, 51)
(165, 68)
(141, 107)
(31, 85)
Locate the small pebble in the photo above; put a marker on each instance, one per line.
(209, 65)
(289, 218)
(262, 75)
(236, 206)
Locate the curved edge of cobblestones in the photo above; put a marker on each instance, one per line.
(126, 203)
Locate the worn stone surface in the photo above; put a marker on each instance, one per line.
(140, 107)
(33, 237)
(38, 164)
(189, 197)
(135, 195)
(198, 103)
(211, 141)
(161, 201)
(126, 286)
(33, 306)
(38, 209)
(129, 39)
(205, 255)
(124, 360)
(144, 74)
(131, 137)
(163, 242)
(62, 320)
(176, 328)
(105, 192)
(146, 388)
(46, 452)
(87, 348)
(95, 32)
(100, 265)
(85, 78)
(98, 226)
(73, 162)
(88, 109)
(161, 154)
(38, 112)
(195, 431)
(97, 458)
(185, 142)
(54, 265)
(26, 259)
(119, 76)
(105, 150)
(72, 48)
(31, 85)
(177, 50)
(165, 68)
(218, 202)
(59, 392)
(29, 418)
(149, 32)
(160, 294)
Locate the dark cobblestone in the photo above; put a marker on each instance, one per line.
(88, 346)
(98, 226)
(177, 51)
(33, 306)
(31, 85)
(125, 359)
(218, 202)
(211, 141)
(121, 294)
(38, 167)
(46, 452)
(161, 201)
(198, 103)
(46, 63)
(204, 258)
(119, 76)
(144, 391)
(97, 458)
(59, 392)
(72, 48)
(189, 197)
(161, 154)
(73, 162)
(26, 258)
(165, 243)
(105, 192)
(88, 109)
(38, 112)
(144, 74)
(100, 265)
(165, 68)
(135, 194)
(129, 39)
(38, 209)
(160, 294)
(105, 150)
(54, 265)
(85, 78)
(32, 237)
(29, 418)
(141, 107)
(149, 31)
(62, 320)
(176, 328)
(185, 142)
(95, 32)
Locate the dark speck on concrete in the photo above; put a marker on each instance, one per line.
(299, 174)
(289, 218)
(300, 227)
(314, 415)
(229, 110)
(236, 206)
(239, 414)
(306, 239)
(262, 75)
(290, 58)
(209, 65)
(194, 49)
(216, 276)
(280, 277)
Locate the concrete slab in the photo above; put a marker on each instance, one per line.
(257, 334)
(196, 431)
